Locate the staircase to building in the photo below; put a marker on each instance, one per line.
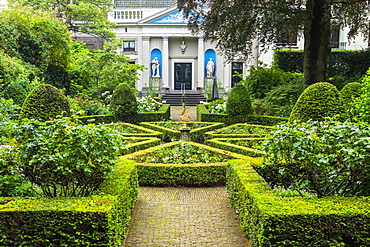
(192, 98)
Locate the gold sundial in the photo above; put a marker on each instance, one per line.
(184, 117)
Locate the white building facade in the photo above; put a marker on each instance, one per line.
(156, 29)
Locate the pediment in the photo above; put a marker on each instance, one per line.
(168, 16)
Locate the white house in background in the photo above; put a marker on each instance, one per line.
(156, 29)
(3, 4)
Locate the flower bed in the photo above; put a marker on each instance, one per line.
(171, 130)
(133, 144)
(270, 220)
(182, 164)
(240, 130)
(245, 146)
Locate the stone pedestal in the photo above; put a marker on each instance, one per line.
(208, 83)
(185, 134)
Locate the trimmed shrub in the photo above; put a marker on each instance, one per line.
(317, 102)
(350, 91)
(45, 102)
(123, 102)
(238, 102)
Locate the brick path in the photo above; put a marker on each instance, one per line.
(184, 217)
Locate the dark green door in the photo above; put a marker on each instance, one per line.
(183, 74)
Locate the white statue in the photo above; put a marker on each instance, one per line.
(210, 68)
(155, 67)
(183, 46)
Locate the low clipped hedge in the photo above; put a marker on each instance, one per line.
(190, 175)
(269, 220)
(141, 131)
(140, 144)
(163, 114)
(98, 220)
(222, 144)
(205, 116)
(196, 134)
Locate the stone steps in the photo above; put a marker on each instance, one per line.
(193, 98)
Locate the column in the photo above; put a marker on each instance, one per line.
(146, 61)
(165, 63)
(200, 62)
(140, 61)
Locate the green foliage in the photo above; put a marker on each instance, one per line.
(217, 106)
(85, 16)
(190, 175)
(148, 104)
(45, 102)
(360, 105)
(123, 102)
(317, 102)
(85, 106)
(63, 157)
(18, 89)
(245, 146)
(269, 220)
(171, 130)
(344, 66)
(34, 37)
(279, 101)
(96, 71)
(204, 115)
(8, 110)
(241, 130)
(98, 220)
(349, 95)
(325, 158)
(238, 102)
(262, 80)
(12, 180)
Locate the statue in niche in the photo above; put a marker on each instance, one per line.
(183, 46)
(210, 68)
(155, 67)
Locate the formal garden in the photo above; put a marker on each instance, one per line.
(77, 141)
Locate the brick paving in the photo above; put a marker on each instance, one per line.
(184, 217)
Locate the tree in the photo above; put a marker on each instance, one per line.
(101, 70)
(33, 37)
(236, 24)
(86, 16)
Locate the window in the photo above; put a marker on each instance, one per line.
(288, 39)
(128, 46)
(334, 37)
(236, 68)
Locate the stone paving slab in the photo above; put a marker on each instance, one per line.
(184, 217)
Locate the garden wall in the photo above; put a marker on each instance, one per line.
(98, 220)
(269, 220)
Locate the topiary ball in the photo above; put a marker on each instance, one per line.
(239, 102)
(45, 102)
(317, 102)
(123, 102)
(351, 91)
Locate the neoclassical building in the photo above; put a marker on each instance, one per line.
(155, 30)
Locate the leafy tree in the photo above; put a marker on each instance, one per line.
(98, 70)
(123, 103)
(235, 25)
(34, 37)
(86, 16)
